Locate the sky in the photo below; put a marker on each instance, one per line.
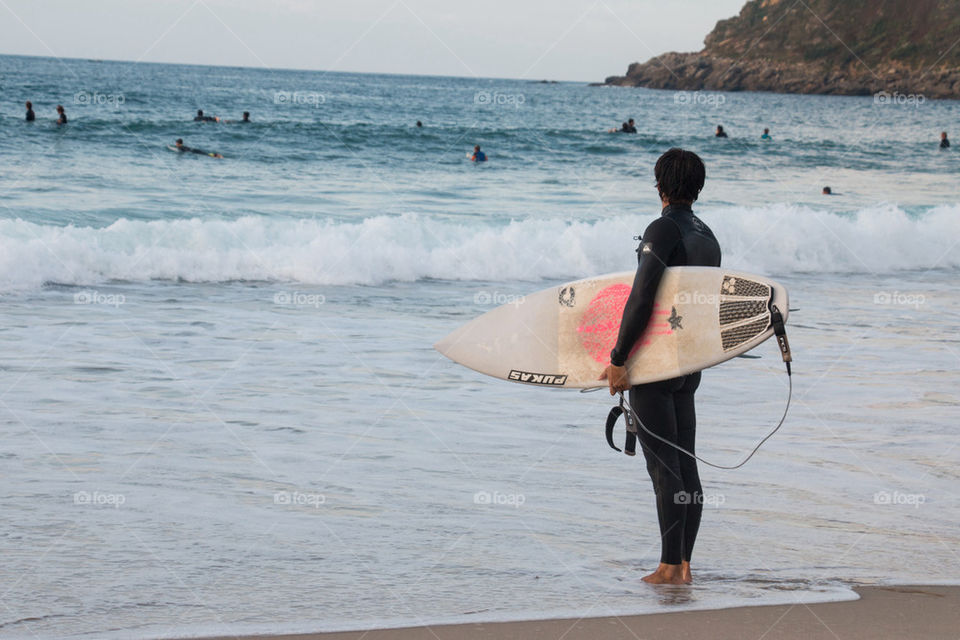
(579, 40)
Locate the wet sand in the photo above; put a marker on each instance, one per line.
(881, 612)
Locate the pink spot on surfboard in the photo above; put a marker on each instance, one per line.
(600, 324)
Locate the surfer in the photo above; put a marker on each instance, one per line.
(31, 116)
(944, 142)
(720, 132)
(766, 135)
(626, 127)
(478, 156)
(202, 118)
(419, 125)
(676, 238)
(182, 148)
(827, 191)
(62, 119)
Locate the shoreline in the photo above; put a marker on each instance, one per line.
(879, 612)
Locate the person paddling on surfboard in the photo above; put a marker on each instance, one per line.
(676, 238)
(184, 148)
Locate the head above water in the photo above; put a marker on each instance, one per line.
(827, 191)
(943, 134)
(766, 130)
(246, 115)
(59, 108)
(200, 112)
(29, 105)
(719, 128)
(419, 124)
(680, 176)
(476, 148)
(179, 142)
(630, 121)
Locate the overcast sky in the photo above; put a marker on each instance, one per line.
(534, 39)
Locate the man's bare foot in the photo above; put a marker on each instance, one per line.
(665, 574)
(685, 574)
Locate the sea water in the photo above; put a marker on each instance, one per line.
(221, 411)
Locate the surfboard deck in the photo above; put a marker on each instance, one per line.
(562, 336)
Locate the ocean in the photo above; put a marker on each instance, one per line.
(222, 413)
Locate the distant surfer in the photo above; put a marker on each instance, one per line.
(31, 116)
(827, 191)
(182, 148)
(766, 135)
(478, 156)
(626, 127)
(419, 125)
(202, 118)
(720, 132)
(676, 238)
(245, 120)
(944, 142)
(62, 115)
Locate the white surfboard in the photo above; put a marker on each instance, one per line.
(562, 336)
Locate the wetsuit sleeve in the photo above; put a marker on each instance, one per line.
(659, 242)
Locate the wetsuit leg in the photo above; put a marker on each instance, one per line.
(655, 406)
(686, 432)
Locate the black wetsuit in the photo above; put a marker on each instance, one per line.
(62, 119)
(676, 238)
(944, 144)
(31, 116)
(204, 119)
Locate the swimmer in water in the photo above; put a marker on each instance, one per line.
(827, 191)
(419, 125)
(202, 118)
(62, 119)
(31, 116)
(766, 135)
(478, 156)
(720, 132)
(182, 148)
(944, 142)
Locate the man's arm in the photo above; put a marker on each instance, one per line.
(659, 242)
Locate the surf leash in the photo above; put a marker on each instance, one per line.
(633, 420)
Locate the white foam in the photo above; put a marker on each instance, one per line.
(777, 239)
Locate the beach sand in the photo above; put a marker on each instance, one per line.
(881, 612)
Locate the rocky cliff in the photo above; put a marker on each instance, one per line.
(851, 47)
